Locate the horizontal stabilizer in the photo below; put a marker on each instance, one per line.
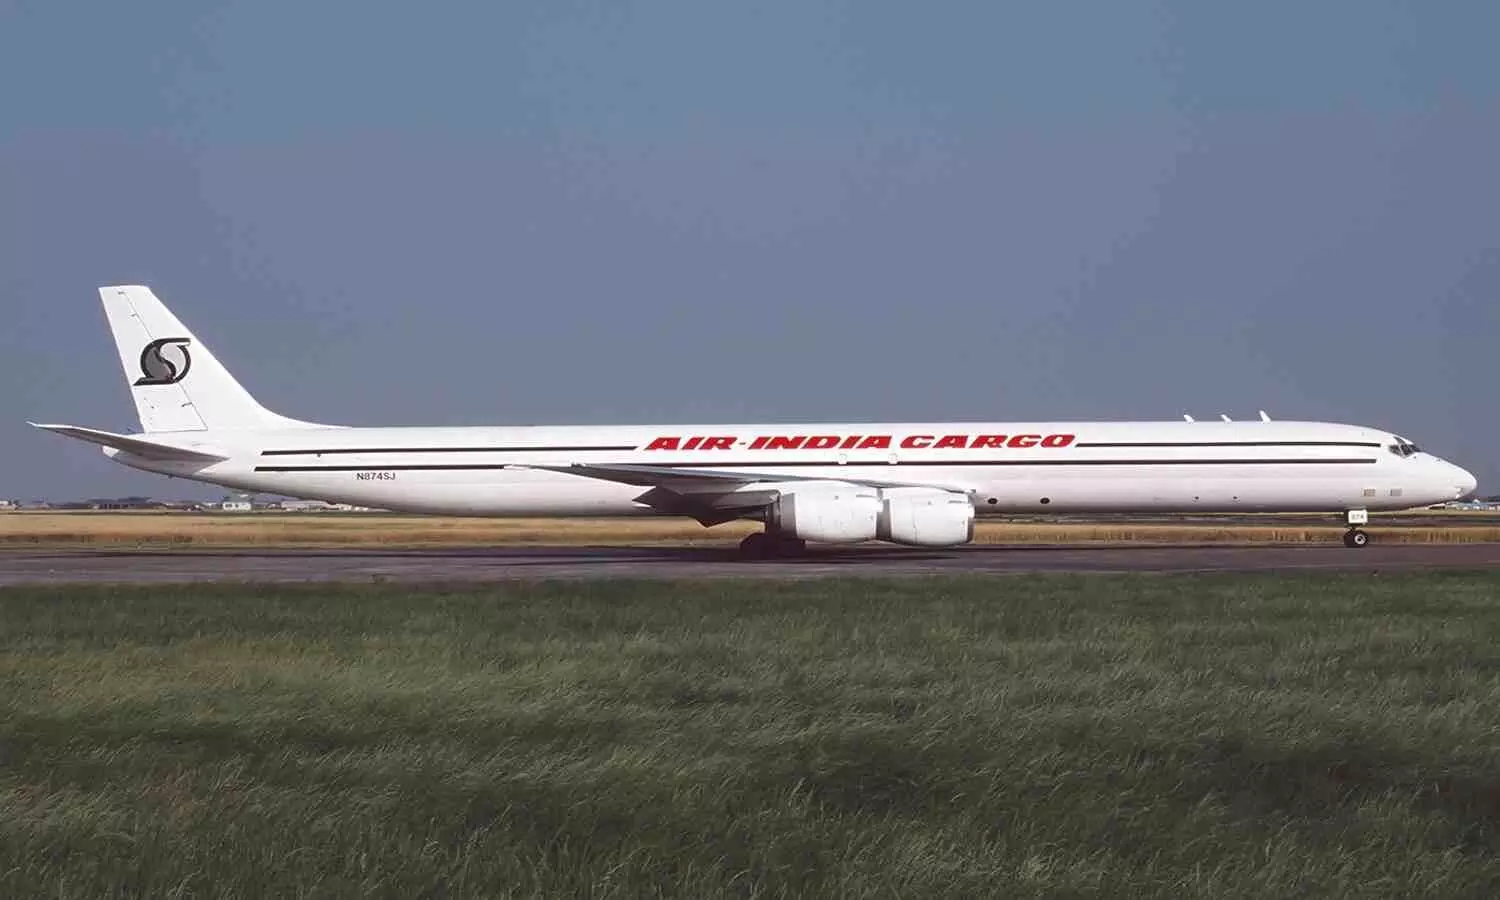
(136, 446)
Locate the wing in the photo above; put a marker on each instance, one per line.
(712, 496)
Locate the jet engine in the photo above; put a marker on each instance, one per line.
(841, 513)
(832, 512)
(925, 517)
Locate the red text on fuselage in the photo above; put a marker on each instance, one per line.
(862, 442)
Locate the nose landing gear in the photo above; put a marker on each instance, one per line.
(1355, 536)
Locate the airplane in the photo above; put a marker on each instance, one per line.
(914, 484)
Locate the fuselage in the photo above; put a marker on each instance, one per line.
(1004, 467)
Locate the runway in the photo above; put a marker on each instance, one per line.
(21, 567)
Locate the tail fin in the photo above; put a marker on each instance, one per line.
(176, 382)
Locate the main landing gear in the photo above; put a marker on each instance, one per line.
(1355, 536)
(771, 545)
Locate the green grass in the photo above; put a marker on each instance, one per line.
(1179, 736)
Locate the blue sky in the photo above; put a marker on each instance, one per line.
(556, 212)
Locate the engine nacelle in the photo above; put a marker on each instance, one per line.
(925, 517)
(832, 512)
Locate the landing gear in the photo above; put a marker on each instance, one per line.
(770, 545)
(754, 546)
(1355, 536)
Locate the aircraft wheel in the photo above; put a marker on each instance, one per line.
(764, 545)
(757, 546)
(788, 546)
(1355, 538)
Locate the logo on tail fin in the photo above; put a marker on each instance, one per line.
(165, 361)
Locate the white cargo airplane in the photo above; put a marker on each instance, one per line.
(919, 484)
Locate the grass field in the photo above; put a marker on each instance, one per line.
(369, 530)
(1185, 736)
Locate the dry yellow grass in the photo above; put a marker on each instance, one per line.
(364, 530)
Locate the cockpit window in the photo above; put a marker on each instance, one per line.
(1404, 448)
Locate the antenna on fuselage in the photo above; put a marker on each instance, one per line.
(1264, 417)
(1187, 418)
(1225, 418)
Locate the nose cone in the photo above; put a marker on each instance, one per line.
(1464, 483)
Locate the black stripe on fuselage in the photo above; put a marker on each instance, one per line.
(391, 467)
(1126, 444)
(616, 448)
(833, 464)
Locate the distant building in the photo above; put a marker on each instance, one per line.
(319, 506)
(237, 503)
(1470, 505)
(10, 504)
(115, 503)
(306, 505)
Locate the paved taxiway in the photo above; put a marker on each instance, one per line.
(491, 564)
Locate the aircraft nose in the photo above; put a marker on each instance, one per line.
(1465, 483)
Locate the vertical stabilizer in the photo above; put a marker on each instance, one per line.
(176, 382)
